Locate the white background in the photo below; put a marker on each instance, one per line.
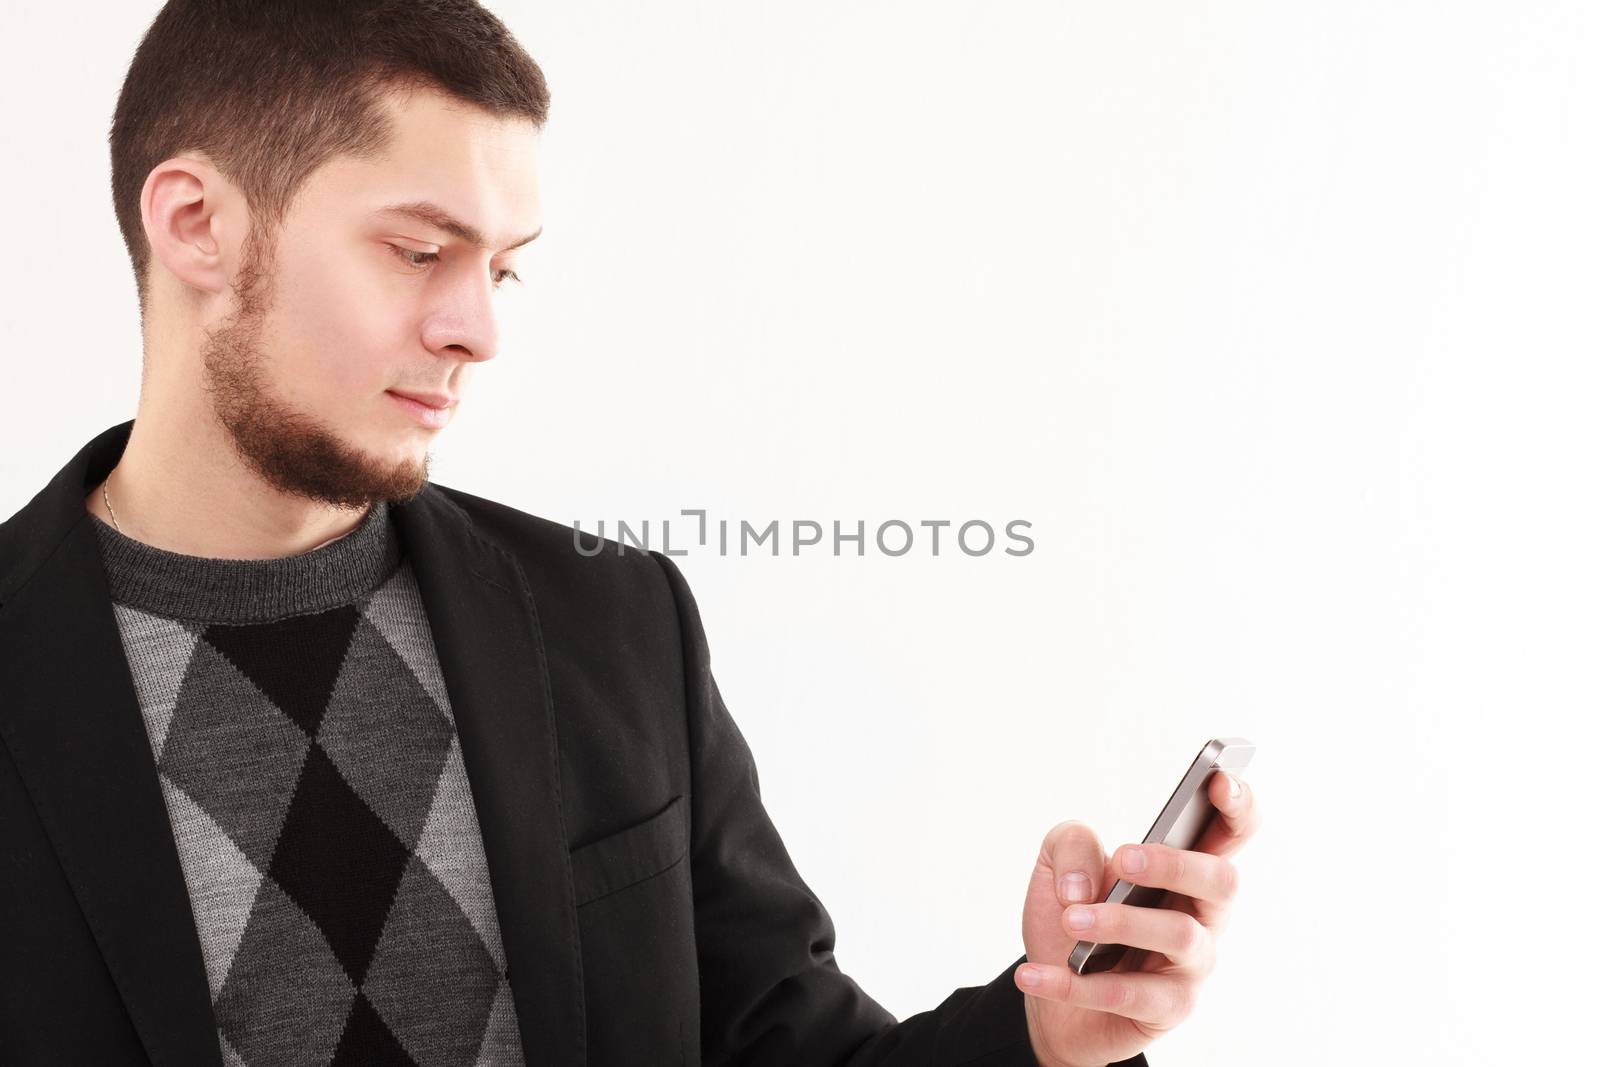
(1277, 321)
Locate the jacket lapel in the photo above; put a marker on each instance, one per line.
(70, 716)
(487, 637)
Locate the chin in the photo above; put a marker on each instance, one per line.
(411, 450)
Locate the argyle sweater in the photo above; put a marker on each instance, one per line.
(304, 744)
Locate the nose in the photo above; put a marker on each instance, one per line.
(461, 325)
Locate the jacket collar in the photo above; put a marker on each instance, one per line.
(69, 716)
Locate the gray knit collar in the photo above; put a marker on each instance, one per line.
(203, 589)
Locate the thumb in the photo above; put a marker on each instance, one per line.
(1076, 861)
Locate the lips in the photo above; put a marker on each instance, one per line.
(432, 410)
(438, 401)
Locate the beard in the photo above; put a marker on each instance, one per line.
(286, 448)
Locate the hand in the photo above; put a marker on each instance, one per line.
(1090, 1020)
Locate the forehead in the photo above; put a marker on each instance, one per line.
(477, 166)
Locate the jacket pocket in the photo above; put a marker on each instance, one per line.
(630, 855)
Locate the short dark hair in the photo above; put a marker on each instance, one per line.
(271, 89)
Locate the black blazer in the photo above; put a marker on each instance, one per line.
(650, 912)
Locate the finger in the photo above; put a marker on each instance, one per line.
(1213, 917)
(1236, 819)
(1200, 875)
(1160, 1001)
(1177, 935)
(1076, 860)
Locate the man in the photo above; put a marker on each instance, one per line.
(307, 759)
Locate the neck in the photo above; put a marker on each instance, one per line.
(180, 486)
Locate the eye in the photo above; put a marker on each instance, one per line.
(421, 259)
(413, 257)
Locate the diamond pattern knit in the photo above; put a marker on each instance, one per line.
(306, 749)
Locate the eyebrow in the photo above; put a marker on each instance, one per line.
(432, 214)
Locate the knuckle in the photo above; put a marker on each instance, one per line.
(1069, 826)
(1227, 880)
(1061, 831)
(1192, 940)
(1121, 995)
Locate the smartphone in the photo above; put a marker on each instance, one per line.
(1187, 814)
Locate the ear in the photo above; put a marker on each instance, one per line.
(184, 207)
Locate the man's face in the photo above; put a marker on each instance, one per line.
(350, 301)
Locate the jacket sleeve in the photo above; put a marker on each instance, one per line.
(771, 993)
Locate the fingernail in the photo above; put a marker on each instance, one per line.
(1079, 918)
(1028, 976)
(1133, 861)
(1233, 786)
(1075, 886)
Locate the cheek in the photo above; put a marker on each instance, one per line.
(342, 328)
